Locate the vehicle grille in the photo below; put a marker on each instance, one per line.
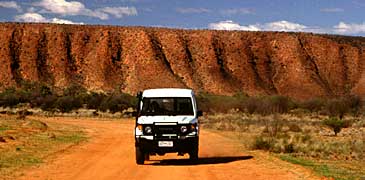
(163, 129)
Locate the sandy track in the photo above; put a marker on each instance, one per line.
(110, 155)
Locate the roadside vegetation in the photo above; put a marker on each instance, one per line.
(72, 98)
(325, 135)
(28, 142)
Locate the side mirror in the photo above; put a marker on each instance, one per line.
(134, 113)
(139, 95)
(200, 113)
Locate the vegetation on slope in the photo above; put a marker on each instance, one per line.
(28, 142)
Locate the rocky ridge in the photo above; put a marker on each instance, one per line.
(103, 58)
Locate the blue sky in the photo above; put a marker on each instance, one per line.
(319, 16)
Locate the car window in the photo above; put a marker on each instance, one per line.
(167, 106)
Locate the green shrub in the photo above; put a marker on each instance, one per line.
(337, 107)
(74, 90)
(274, 126)
(268, 105)
(313, 105)
(28, 93)
(334, 123)
(93, 100)
(252, 104)
(289, 148)
(263, 143)
(68, 103)
(46, 103)
(355, 104)
(32, 90)
(9, 98)
(220, 103)
(45, 91)
(117, 103)
(279, 104)
(277, 144)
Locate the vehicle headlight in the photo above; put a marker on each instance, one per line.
(193, 127)
(139, 127)
(148, 130)
(183, 129)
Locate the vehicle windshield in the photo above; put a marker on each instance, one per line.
(167, 106)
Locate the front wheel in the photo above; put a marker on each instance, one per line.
(146, 157)
(193, 155)
(140, 157)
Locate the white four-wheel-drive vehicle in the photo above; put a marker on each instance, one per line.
(166, 121)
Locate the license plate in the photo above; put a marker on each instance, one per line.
(165, 143)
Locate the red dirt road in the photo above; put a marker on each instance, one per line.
(109, 154)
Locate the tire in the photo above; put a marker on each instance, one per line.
(139, 156)
(193, 155)
(146, 157)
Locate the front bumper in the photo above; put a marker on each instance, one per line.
(182, 144)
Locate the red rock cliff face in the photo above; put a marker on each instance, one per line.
(297, 65)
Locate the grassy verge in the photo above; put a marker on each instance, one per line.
(26, 143)
(327, 169)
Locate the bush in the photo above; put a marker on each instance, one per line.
(93, 100)
(277, 145)
(355, 104)
(274, 127)
(342, 106)
(337, 107)
(334, 123)
(45, 91)
(46, 103)
(313, 105)
(117, 103)
(31, 90)
(68, 103)
(263, 143)
(74, 90)
(268, 105)
(252, 105)
(279, 104)
(9, 98)
(219, 103)
(289, 148)
(28, 93)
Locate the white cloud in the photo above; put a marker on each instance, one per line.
(230, 25)
(11, 5)
(273, 26)
(35, 17)
(283, 26)
(68, 8)
(96, 14)
(75, 8)
(119, 12)
(63, 21)
(332, 10)
(353, 28)
(62, 7)
(192, 10)
(235, 11)
(340, 28)
(31, 9)
(30, 17)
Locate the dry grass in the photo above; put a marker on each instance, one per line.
(28, 142)
(303, 136)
